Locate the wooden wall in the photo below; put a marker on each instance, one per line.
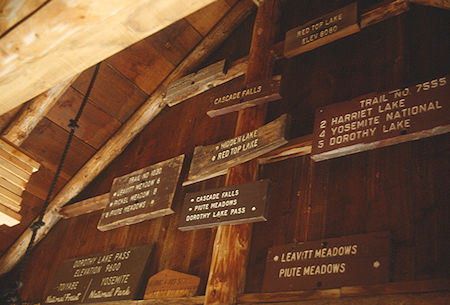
(402, 189)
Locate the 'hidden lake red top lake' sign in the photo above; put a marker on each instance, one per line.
(141, 195)
(237, 97)
(329, 263)
(381, 119)
(112, 276)
(333, 26)
(227, 205)
(214, 160)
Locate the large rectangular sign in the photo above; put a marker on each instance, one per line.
(235, 98)
(141, 195)
(111, 276)
(323, 30)
(329, 263)
(214, 160)
(381, 119)
(227, 205)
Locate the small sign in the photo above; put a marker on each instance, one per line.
(141, 195)
(381, 119)
(323, 30)
(238, 97)
(171, 284)
(229, 205)
(214, 160)
(329, 263)
(111, 276)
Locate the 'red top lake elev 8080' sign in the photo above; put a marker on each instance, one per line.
(381, 119)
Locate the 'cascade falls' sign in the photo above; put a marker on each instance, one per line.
(214, 160)
(328, 263)
(338, 24)
(382, 119)
(112, 276)
(141, 195)
(235, 98)
(227, 205)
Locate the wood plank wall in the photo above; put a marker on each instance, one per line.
(402, 188)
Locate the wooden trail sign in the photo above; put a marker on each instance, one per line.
(236, 98)
(171, 284)
(381, 119)
(329, 263)
(235, 204)
(320, 31)
(214, 160)
(112, 276)
(141, 195)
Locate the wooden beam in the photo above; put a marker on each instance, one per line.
(34, 111)
(65, 37)
(8, 216)
(85, 206)
(117, 143)
(383, 11)
(13, 11)
(393, 288)
(16, 154)
(232, 242)
(445, 4)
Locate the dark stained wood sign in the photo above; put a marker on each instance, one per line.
(111, 276)
(235, 98)
(171, 284)
(329, 263)
(227, 205)
(214, 160)
(141, 195)
(381, 119)
(323, 30)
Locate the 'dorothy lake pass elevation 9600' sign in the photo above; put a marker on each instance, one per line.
(381, 119)
(141, 195)
(112, 276)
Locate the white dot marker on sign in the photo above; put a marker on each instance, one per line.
(276, 258)
(376, 264)
(190, 209)
(253, 209)
(192, 199)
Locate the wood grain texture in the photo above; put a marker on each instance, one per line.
(182, 88)
(128, 131)
(13, 12)
(444, 4)
(38, 56)
(85, 206)
(214, 160)
(236, 69)
(118, 101)
(232, 243)
(92, 118)
(383, 12)
(8, 216)
(33, 112)
(294, 148)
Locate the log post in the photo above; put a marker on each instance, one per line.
(232, 243)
